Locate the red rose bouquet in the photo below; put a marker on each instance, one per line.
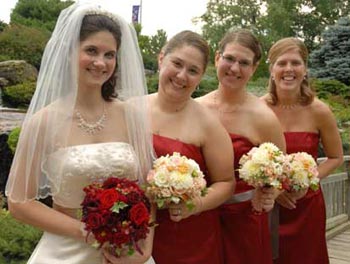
(116, 212)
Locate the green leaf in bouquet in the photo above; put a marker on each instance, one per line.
(160, 203)
(131, 251)
(118, 206)
(190, 205)
(204, 192)
(314, 186)
(79, 214)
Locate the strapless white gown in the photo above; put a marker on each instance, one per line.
(83, 164)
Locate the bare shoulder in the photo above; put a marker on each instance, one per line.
(260, 111)
(207, 118)
(265, 98)
(321, 112)
(206, 99)
(116, 105)
(320, 108)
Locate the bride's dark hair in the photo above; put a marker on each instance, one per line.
(96, 23)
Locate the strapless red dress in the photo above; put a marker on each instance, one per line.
(194, 240)
(302, 230)
(246, 236)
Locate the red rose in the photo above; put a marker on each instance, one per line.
(120, 239)
(139, 214)
(108, 198)
(94, 220)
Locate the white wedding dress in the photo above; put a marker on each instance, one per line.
(83, 164)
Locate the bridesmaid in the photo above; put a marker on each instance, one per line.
(181, 124)
(306, 122)
(246, 237)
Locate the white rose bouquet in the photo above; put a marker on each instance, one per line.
(174, 179)
(263, 166)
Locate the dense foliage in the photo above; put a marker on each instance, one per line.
(17, 240)
(19, 42)
(19, 95)
(40, 14)
(271, 20)
(13, 139)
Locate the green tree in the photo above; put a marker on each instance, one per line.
(38, 13)
(332, 60)
(19, 42)
(271, 20)
(225, 14)
(2, 25)
(150, 47)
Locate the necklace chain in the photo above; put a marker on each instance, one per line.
(233, 107)
(91, 128)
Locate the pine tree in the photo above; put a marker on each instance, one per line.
(332, 60)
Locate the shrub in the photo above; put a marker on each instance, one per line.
(18, 42)
(19, 95)
(152, 83)
(325, 88)
(258, 87)
(13, 138)
(17, 240)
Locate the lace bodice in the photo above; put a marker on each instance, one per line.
(71, 169)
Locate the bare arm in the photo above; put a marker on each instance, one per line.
(218, 153)
(45, 218)
(330, 139)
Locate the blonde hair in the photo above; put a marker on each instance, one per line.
(280, 47)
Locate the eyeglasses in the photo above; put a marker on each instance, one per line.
(232, 60)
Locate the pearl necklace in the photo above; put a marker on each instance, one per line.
(233, 107)
(91, 128)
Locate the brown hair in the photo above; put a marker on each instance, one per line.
(96, 23)
(245, 38)
(280, 47)
(188, 38)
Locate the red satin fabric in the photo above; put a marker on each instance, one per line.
(302, 230)
(195, 240)
(246, 236)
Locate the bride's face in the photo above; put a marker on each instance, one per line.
(97, 59)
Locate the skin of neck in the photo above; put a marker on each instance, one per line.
(168, 105)
(231, 96)
(90, 99)
(288, 97)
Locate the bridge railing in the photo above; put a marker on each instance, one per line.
(336, 191)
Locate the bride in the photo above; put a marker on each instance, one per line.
(77, 130)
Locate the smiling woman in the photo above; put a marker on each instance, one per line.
(182, 125)
(306, 122)
(86, 122)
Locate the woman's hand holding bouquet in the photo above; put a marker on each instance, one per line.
(177, 183)
(302, 175)
(117, 213)
(263, 168)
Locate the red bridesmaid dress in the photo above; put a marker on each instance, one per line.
(302, 230)
(246, 236)
(196, 239)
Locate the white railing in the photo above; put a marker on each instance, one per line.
(336, 191)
